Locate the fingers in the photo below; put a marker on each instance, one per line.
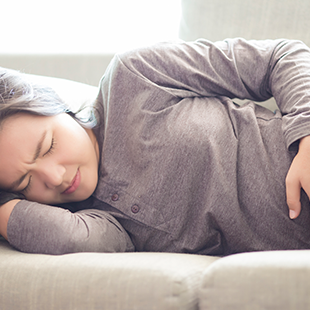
(293, 188)
(298, 177)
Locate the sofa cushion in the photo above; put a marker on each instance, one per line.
(85, 68)
(277, 280)
(220, 19)
(89, 281)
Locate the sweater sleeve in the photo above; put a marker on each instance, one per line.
(37, 228)
(235, 68)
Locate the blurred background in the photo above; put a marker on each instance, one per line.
(76, 39)
(86, 26)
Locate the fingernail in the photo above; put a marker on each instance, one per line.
(293, 214)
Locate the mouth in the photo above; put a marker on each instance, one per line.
(74, 184)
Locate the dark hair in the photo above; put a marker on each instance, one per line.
(17, 94)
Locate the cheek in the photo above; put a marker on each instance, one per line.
(69, 147)
(39, 193)
(75, 140)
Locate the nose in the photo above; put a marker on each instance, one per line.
(51, 174)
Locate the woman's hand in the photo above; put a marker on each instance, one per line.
(298, 177)
(5, 212)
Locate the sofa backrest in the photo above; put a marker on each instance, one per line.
(260, 19)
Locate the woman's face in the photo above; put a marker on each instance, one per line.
(50, 159)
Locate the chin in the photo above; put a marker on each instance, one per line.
(82, 195)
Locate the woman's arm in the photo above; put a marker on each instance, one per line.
(235, 68)
(238, 68)
(37, 228)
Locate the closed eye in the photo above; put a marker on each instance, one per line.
(27, 188)
(51, 149)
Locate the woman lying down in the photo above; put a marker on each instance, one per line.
(168, 162)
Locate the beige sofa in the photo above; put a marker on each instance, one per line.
(144, 281)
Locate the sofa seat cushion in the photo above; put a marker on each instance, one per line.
(277, 280)
(89, 281)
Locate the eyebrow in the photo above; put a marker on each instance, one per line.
(16, 183)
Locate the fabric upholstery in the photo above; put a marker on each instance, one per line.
(83, 68)
(277, 280)
(90, 281)
(219, 19)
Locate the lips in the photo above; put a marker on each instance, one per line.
(74, 184)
